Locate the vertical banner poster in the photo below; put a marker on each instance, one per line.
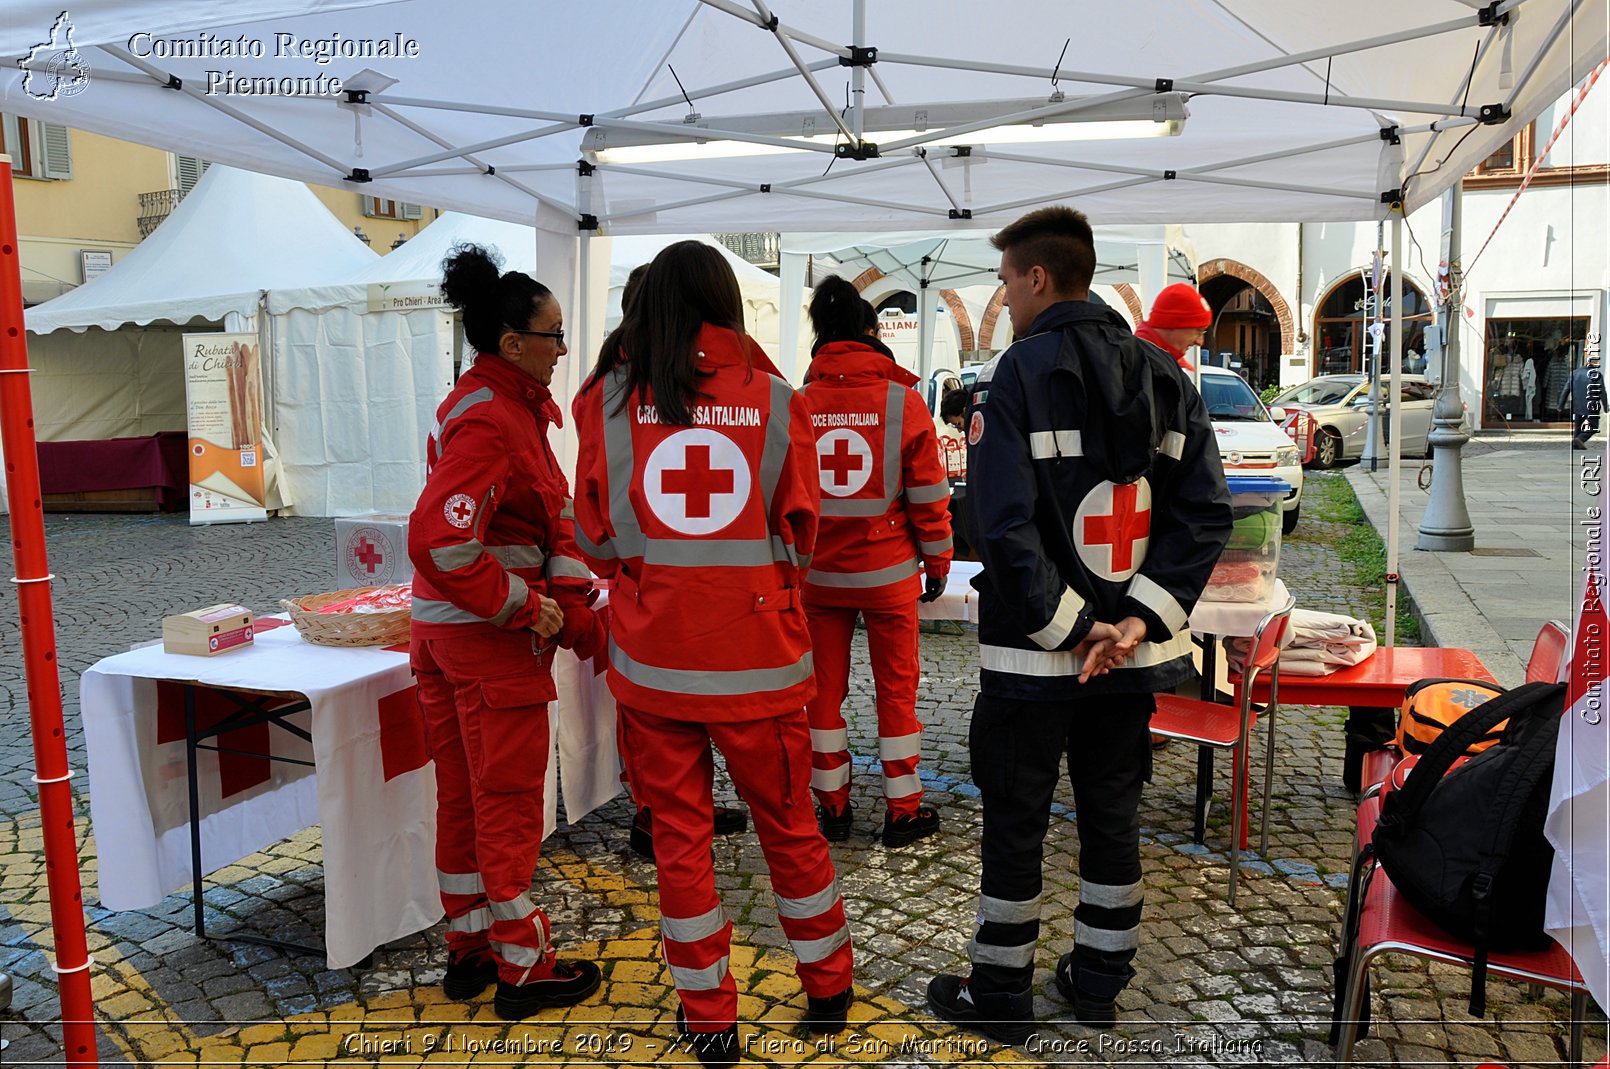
(223, 386)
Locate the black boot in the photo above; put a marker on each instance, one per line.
(825, 1016)
(469, 974)
(728, 820)
(1004, 1016)
(571, 982)
(1096, 1004)
(712, 1048)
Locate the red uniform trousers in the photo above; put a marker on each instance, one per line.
(892, 642)
(486, 720)
(672, 768)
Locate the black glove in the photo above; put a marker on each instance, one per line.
(934, 588)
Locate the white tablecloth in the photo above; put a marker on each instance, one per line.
(378, 833)
(1220, 618)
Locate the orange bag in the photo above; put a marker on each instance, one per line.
(1430, 705)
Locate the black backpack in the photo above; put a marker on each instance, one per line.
(1466, 847)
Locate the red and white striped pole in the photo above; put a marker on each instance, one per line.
(32, 579)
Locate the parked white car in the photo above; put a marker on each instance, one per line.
(1250, 441)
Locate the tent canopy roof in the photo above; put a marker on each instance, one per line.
(1287, 102)
(210, 257)
(949, 261)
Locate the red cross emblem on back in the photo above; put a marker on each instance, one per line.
(841, 462)
(1112, 528)
(844, 462)
(698, 482)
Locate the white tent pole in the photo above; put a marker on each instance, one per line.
(1459, 94)
(1555, 32)
(717, 90)
(839, 198)
(453, 152)
(423, 131)
(1259, 67)
(1395, 428)
(1065, 195)
(783, 39)
(761, 21)
(557, 252)
(791, 298)
(858, 73)
(217, 104)
(1152, 263)
(925, 326)
(954, 203)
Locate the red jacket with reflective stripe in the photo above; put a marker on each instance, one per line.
(885, 493)
(487, 535)
(707, 531)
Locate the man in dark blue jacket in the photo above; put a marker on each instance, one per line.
(1099, 508)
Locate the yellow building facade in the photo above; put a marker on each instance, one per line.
(84, 201)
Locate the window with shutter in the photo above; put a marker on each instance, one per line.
(37, 149)
(187, 171)
(57, 150)
(409, 211)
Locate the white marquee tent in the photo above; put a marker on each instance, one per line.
(106, 355)
(355, 385)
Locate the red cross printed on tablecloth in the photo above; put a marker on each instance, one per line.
(1121, 528)
(369, 555)
(698, 482)
(841, 462)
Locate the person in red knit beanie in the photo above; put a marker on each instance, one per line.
(1179, 319)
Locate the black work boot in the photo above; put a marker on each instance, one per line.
(904, 830)
(712, 1048)
(571, 982)
(1004, 1016)
(836, 826)
(728, 820)
(825, 1016)
(1095, 1005)
(468, 974)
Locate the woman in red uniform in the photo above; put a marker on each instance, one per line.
(696, 492)
(884, 544)
(498, 583)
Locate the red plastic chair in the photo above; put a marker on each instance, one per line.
(1543, 666)
(1229, 727)
(1387, 923)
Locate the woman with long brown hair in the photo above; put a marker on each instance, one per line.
(696, 492)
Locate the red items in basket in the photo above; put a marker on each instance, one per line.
(379, 599)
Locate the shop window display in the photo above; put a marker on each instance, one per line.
(1529, 362)
(1342, 326)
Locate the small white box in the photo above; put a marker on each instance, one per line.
(372, 550)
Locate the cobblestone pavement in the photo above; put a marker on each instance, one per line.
(1215, 985)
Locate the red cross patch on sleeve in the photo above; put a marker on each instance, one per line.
(459, 510)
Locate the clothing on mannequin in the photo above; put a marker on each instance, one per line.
(1529, 385)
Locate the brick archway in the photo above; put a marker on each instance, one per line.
(1131, 301)
(1211, 269)
(992, 312)
(964, 322)
(953, 302)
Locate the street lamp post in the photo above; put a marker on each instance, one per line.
(1446, 523)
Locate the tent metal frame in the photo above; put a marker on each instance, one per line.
(1452, 116)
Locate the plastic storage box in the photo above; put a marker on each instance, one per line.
(1246, 568)
(372, 550)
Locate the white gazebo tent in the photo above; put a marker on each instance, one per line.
(917, 114)
(359, 367)
(1151, 256)
(105, 356)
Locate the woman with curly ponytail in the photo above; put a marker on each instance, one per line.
(498, 584)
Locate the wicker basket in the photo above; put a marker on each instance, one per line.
(383, 628)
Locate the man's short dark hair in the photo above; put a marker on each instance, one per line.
(954, 404)
(1056, 239)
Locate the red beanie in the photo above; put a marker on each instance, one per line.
(1179, 305)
